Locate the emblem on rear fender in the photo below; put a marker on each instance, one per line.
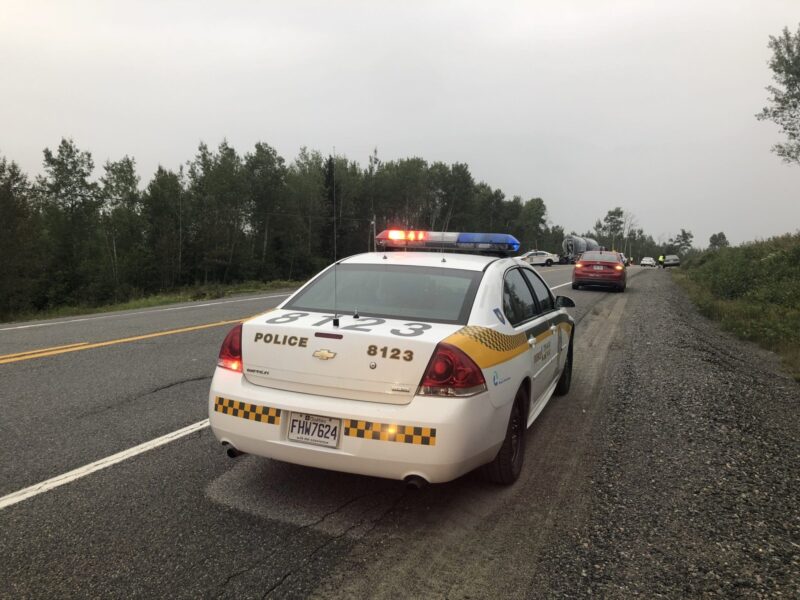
(324, 354)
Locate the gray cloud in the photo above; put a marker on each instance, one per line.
(589, 104)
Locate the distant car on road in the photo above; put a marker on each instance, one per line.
(671, 260)
(647, 261)
(539, 257)
(600, 268)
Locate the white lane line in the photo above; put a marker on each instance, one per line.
(140, 312)
(555, 287)
(46, 486)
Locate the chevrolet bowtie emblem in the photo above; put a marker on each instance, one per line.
(324, 354)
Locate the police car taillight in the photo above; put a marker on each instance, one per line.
(230, 355)
(450, 372)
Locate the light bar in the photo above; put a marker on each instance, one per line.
(394, 239)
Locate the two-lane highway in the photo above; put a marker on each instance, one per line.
(76, 390)
(177, 517)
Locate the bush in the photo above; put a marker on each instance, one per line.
(754, 291)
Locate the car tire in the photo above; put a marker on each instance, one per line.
(548, 263)
(507, 465)
(575, 286)
(565, 381)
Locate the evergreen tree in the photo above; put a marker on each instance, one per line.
(163, 231)
(20, 243)
(78, 268)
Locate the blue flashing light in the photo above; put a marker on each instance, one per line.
(490, 241)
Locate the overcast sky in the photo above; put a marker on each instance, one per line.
(590, 104)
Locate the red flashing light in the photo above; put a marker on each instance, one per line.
(230, 354)
(409, 236)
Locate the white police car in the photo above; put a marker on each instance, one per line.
(540, 257)
(416, 364)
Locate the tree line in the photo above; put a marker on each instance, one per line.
(73, 236)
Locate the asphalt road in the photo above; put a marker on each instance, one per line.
(183, 520)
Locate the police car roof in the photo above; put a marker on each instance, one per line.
(452, 260)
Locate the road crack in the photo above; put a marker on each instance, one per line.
(335, 538)
(127, 399)
(307, 526)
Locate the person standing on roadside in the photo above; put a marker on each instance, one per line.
(660, 261)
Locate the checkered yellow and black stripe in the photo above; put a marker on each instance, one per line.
(385, 432)
(251, 412)
(488, 347)
(499, 342)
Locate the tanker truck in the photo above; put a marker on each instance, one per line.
(573, 246)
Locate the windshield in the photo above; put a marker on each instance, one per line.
(394, 292)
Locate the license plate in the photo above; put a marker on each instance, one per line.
(598, 267)
(313, 429)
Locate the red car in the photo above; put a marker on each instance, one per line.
(600, 268)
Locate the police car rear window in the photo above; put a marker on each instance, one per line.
(393, 292)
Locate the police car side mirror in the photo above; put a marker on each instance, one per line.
(564, 302)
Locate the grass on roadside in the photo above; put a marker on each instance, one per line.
(753, 291)
(186, 294)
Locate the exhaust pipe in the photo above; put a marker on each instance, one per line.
(233, 452)
(415, 482)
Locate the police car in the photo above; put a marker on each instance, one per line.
(419, 362)
(540, 257)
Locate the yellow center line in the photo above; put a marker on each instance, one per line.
(88, 346)
(37, 351)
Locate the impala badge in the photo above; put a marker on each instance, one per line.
(324, 354)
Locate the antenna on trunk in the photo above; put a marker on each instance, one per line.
(335, 305)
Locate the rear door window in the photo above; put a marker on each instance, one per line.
(518, 302)
(541, 291)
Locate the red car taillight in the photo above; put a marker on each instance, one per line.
(450, 372)
(230, 355)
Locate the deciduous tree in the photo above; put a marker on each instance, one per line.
(784, 102)
(717, 241)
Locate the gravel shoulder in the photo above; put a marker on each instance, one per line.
(695, 485)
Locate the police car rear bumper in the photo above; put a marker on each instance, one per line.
(437, 439)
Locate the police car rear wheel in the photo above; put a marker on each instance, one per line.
(507, 465)
(565, 381)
